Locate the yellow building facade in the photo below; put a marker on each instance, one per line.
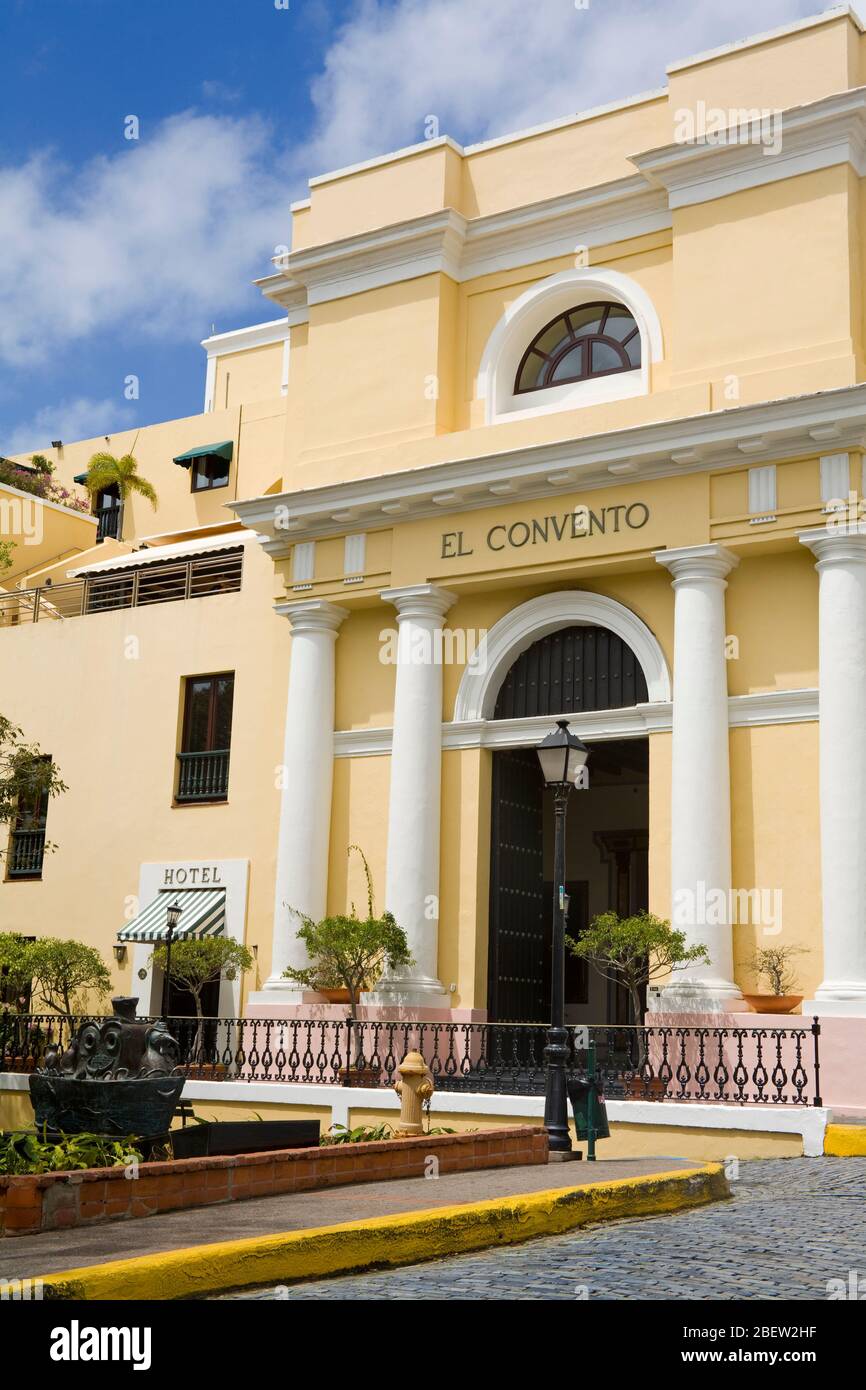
(568, 424)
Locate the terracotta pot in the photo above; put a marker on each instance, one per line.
(370, 1077)
(206, 1071)
(774, 1003)
(638, 1089)
(18, 1064)
(336, 996)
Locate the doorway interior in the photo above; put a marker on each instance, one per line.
(607, 839)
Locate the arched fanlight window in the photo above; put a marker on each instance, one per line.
(591, 340)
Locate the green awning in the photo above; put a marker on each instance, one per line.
(203, 913)
(220, 451)
(80, 478)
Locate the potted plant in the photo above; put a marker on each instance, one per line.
(194, 964)
(328, 983)
(632, 951)
(773, 964)
(354, 951)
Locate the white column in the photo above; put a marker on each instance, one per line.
(840, 549)
(412, 875)
(700, 779)
(307, 778)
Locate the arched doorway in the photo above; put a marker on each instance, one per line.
(572, 670)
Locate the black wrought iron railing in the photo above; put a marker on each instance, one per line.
(108, 523)
(26, 853)
(203, 776)
(742, 1066)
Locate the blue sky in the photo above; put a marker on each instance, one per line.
(117, 255)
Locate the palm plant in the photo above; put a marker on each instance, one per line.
(104, 470)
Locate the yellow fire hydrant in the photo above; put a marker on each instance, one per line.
(414, 1085)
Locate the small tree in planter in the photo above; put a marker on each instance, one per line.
(354, 950)
(196, 963)
(632, 951)
(773, 964)
(65, 972)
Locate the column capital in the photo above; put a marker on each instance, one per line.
(420, 600)
(694, 563)
(836, 543)
(312, 615)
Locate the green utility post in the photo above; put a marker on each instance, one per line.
(590, 1103)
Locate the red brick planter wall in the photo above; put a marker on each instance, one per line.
(51, 1200)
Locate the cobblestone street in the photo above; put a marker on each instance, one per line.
(793, 1225)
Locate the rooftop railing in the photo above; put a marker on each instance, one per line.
(153, 582)
(741, 1066)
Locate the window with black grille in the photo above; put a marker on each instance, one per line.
(574, 669)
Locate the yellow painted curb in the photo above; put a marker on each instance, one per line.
(385, 1240)
(845, 1141)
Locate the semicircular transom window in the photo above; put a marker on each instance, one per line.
(571, 670)
(590, 340)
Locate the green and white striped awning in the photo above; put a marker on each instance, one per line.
(203, 913)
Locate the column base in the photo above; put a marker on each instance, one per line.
(837, 1001)
(408, 992)
(283, 992)
(697, 997)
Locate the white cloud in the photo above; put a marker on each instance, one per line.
(78, 418)
(164, 234)
(487, 68)
(150, 240)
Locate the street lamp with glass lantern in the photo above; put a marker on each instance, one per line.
(562, 757)
(172, 914)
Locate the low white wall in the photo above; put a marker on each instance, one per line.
(809, 1122)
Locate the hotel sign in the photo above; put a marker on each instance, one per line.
(192, 876)
(577, 524)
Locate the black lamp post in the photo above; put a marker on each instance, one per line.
(172, 914)
(562, 756)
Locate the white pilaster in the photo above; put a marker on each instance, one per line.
(412, 876)
(840, 549)
(700, 779)
(307, 777)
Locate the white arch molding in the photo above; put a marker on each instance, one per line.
(513, 634)
(529, 314)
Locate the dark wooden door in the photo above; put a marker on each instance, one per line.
(516, 968)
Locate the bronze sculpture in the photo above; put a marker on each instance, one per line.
(117, 1076)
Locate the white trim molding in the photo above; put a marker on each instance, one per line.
(814, 136)
(531, 621)
(536, 307)
(447, 242)
(634, 721)
(699, 443)
(241, 340)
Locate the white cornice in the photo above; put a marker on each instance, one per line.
(402, 251)
(422, 147)
(636, 721)
(557, 226)
(816, 136)
(447, 242)
(711, 441)
(240, 339)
